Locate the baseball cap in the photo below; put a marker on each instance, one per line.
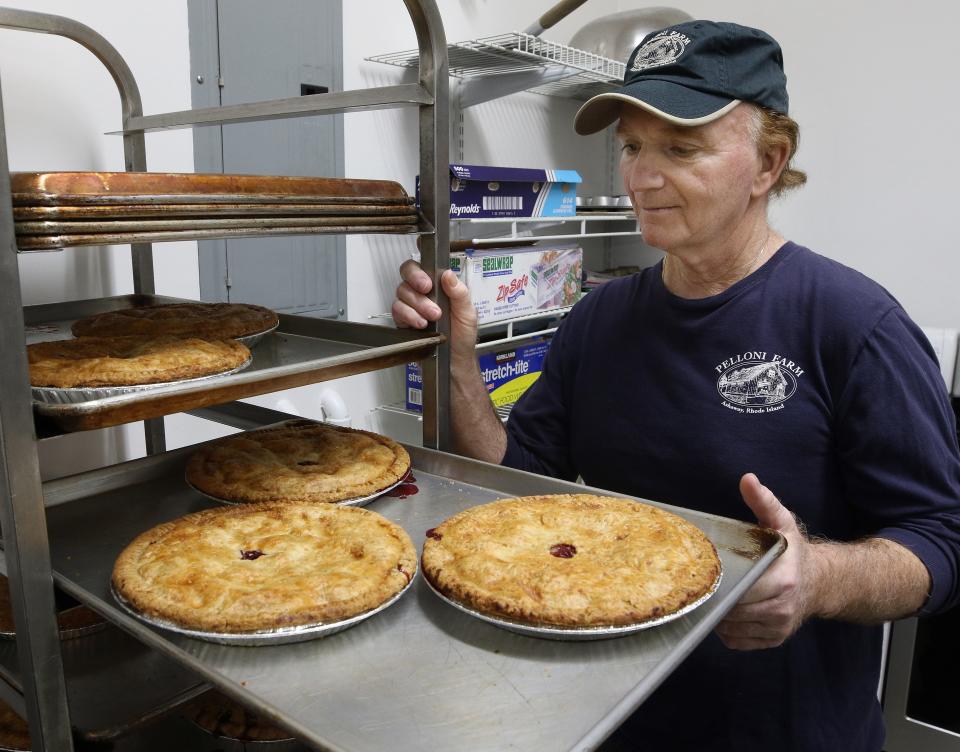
(692, 73)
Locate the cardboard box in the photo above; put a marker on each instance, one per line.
(507, 372)
(478, 191)
(506, 283)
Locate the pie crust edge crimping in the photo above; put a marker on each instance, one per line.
(307, 564)
(555, 590)
(205, 470)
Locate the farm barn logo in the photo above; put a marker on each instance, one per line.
(756, 381)
(663, 49)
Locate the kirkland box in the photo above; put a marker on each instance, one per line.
(507, 373)
(509, 282)
(478, 191)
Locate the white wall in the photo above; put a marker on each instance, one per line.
(874, 90)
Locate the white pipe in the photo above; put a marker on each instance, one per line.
(333, 407)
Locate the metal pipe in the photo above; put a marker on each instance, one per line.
(22, 514)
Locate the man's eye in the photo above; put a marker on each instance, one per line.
(683, 151)
(630, 149)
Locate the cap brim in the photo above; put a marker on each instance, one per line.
(672, 102)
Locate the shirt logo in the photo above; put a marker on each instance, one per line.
(663, 49)
(751, 382)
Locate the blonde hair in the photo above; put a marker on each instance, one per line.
(770, 130)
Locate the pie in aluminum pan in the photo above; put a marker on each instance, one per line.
(204, 320)
(261, 567)
(221, 716)
(573, 560)
(299, 461)
(95, 362)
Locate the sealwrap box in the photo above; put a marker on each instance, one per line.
(478, 191)
(507, 373)
(506, 283)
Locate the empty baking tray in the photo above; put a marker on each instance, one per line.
(300, 351)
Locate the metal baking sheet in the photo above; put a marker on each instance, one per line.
(435, 676)
(281, 636)
(54, 242)
(572, 634)
(72, 187)
(49, 394)
(359, 501)
(131, 211)
(302, 350)
(188, 224)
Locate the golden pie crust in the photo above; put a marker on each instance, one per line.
(573, 560)
(221, 716)
(203, 320)
(93, 362)
(261, 567)
(299, 461)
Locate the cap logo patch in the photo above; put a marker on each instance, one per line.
(663, 49)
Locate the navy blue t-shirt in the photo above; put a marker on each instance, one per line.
(809, 375)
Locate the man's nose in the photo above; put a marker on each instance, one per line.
(642, 173)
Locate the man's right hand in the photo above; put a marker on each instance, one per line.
(412, 307)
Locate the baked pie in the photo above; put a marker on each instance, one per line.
(299, 461)
(94, 362)
(573, 560)
(74, 620)
(221, 716)
(204, 320)
(260, 567)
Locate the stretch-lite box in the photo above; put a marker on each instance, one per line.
(478, 191)
(507, 373)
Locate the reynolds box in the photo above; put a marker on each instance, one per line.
(507, 373)
(508, 282)
(478, 191)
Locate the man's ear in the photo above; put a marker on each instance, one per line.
(773, 161)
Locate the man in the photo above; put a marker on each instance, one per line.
(742, 375)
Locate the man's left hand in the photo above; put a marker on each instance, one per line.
(780, 601)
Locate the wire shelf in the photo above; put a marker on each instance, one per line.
(517, 52)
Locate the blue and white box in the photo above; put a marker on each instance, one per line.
(479, 191)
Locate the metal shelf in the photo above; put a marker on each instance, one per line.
(448, 672)
(523, 228)
(530, 62)
(300, 351)
(402, 95)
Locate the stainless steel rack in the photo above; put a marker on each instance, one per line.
(498, 65)
(39, 690)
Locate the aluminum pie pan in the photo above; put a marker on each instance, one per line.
(76, 395)
(359, 501)
(279, 636)
(576, 634)
(250, 340)
(67, 633)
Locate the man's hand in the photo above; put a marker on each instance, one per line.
(780, 601)
(412, 307)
